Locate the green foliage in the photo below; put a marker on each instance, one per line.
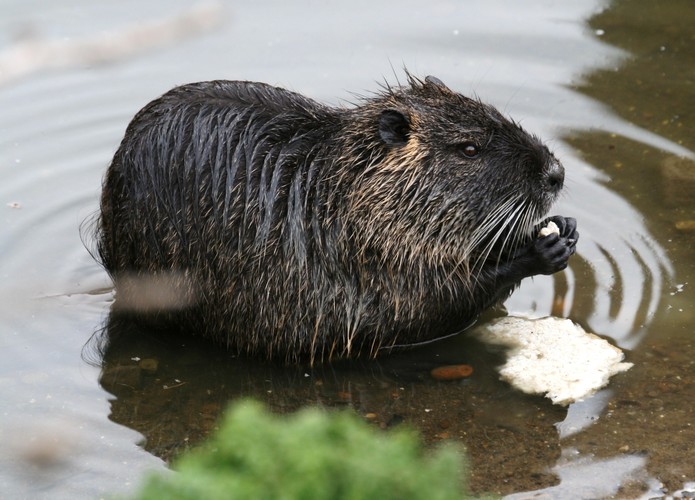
(309, 455)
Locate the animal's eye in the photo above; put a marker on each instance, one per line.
(469, 149)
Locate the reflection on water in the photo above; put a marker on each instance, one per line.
(582, 478)
(631, 281)
(173, 388)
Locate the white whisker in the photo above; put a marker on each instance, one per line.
(510, 216)
(482, 231)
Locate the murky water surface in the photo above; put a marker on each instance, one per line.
(612, 91)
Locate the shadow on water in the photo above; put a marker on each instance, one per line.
(172, 389)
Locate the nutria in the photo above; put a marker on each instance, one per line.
(289, 229)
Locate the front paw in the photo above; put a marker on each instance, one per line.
(551, 253)
(567, 227)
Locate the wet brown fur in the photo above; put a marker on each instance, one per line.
(293, 230)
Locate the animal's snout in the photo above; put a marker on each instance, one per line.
(555, 176)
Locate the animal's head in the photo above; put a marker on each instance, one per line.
(453, 180)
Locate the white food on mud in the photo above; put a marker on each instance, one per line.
(553, 357)
(549, 229)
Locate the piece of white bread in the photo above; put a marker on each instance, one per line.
(550, 228)
(553, 356)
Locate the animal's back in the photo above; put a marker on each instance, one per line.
(205, 157)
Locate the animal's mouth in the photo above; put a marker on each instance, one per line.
(507, 235)
(522, 237)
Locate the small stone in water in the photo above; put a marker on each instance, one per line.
(452, 372)
(686, 225)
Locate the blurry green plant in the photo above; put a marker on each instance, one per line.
(312, 454)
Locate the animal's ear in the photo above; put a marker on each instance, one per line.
(394, 127)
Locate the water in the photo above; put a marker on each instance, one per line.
(604, 100)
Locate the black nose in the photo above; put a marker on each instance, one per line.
(555, 175)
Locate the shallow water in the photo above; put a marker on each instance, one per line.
(613, 96)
